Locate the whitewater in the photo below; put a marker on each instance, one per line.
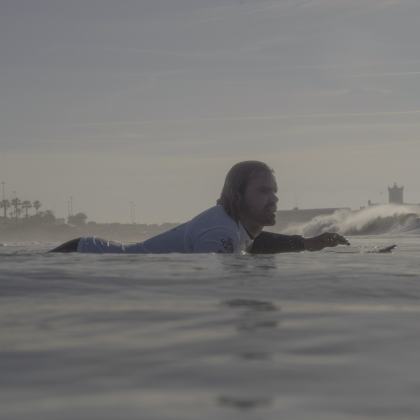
(373, 220)
(326, 335)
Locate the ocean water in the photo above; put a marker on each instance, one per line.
(327, 335)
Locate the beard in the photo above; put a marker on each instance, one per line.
(261, 216)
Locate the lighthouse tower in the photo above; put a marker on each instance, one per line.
(396, 194)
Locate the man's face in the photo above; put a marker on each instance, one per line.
(259, 201)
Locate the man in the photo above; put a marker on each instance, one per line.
(248, 202)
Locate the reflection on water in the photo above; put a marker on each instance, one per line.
(245, 265)
(254, 311)
(255, 355)
(251, 305)
(245, 403)
(252, 326)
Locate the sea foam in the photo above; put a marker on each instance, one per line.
(373, 220)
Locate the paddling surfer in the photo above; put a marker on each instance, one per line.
(248, 202)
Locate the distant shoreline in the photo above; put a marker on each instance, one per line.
(64, 232)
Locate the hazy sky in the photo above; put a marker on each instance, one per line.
(152, 101)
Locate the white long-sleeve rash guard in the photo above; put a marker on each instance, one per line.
(211, 231)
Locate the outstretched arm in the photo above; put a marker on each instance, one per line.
(275, 243)
(324, 240)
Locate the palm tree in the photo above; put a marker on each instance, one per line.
(48, 216)
(5, 204)
(17, 204)
(36, 204)
(26, 205)
(19, 211)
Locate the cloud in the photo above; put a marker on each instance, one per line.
(113, 100)
(371, 5)
(365, 129)
(362, 64)
(257, 10)
(259, 118)
(119, 50)
(402, 73)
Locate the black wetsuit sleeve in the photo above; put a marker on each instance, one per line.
(275, 243)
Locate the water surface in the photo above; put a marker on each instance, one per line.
(327, 335)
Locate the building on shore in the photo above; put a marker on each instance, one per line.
(396, 194)
(395, 197)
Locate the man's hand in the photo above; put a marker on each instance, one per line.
(324, 240)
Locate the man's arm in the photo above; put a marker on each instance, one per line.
(324, 240)
(275, 243)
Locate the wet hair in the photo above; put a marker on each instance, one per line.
(237, 180)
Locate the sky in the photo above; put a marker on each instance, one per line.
(153, 101)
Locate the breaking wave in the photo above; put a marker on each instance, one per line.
(374, 220)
